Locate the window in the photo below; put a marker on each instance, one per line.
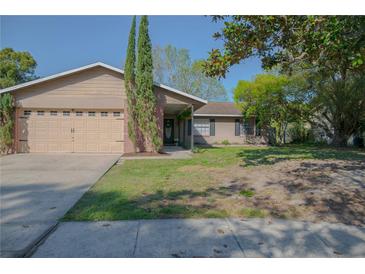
(78, 113)
(40, 112)
(91, 113)
(53, 113)
(116, 114)
(202, 127)
(212, 127)
(66, 113)
(27, 112)
(247, 127)
(104, 114)
(237, 127)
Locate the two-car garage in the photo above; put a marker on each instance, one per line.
(68, 130)
(77, 111)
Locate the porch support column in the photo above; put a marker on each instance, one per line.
(192, 126)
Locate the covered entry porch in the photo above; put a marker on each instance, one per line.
(177, 126)
(176, 110)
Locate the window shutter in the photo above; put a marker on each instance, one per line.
(237, 127)
(189, 127)
(212, 127)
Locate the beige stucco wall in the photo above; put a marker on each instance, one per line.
(96, 88)
(224, 130)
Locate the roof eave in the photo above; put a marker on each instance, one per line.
(68, 72)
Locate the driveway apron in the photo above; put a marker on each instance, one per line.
(36, 190)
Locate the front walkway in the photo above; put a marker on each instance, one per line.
(170, 152)
(203, 238)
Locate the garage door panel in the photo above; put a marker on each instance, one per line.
(66, 123)
(100, 133)
(116, 147)
(118, 136)
(91, 124)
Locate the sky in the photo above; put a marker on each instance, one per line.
(59, 43)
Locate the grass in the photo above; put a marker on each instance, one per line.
(247, 193)
(147, 189)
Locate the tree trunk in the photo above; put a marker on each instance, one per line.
(339, 138)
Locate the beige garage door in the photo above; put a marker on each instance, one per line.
(70, 131)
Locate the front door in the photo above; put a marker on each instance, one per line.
(168, 131)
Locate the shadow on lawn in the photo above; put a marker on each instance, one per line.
(343, 200)
(272, 155)
(160, 204)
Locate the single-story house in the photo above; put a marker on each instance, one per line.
(85, 110)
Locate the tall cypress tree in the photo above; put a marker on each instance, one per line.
(146, 99)
(130, 83)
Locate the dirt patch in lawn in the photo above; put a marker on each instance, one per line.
(310, 190)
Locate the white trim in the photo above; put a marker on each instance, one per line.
(181, 93)
(218, 115)
(68, 72)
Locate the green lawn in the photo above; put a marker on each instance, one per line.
(204, 186)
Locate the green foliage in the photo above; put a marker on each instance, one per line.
(175, 68)
(146, 189)
(15, 67)
(254, 213)
(197, 150)
(299, 133)
(330, 43)
(247, 193)
(275, 100)
(226, 142)
(129, 82)
(339, 106)
(184, 115)
(146, 99)
(6, 122)
(329, 49)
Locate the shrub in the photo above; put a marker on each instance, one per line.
(197, 150)
(226, 142)
(6, 122)
(299, 133)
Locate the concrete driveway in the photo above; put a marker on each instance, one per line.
(38, 189)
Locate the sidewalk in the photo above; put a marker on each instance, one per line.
(197, 238)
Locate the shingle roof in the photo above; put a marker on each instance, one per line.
(218, 109)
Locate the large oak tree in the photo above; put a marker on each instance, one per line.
(329, 49)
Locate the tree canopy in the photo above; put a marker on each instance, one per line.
(16, 67)
(332, 44)
(275, 101)
(328, 50)
(174, 67)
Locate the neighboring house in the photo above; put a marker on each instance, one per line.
(85, 110)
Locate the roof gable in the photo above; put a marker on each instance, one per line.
(72, 71)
